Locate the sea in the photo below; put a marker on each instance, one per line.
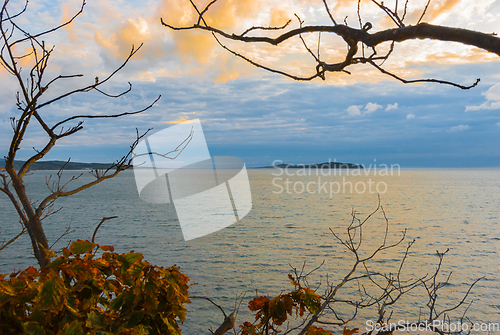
(291, 227)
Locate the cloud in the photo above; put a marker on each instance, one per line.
(492, 99)
(279, 17)
(459, 54)
(493, 93)
(440, 7)
(68, 13)
(371, 107)
(435, 9)
(199, 49)
(354, 110)
(114, 27)
(225, 15)
(497, 124)
(391, 107)
(131, 32)
(410, 116)
(461, 127)
(182, 119)
(484, 105)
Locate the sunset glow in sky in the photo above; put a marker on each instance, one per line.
(259, 116)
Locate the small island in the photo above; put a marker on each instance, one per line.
(325, 165)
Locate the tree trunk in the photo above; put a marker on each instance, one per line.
(33, 224)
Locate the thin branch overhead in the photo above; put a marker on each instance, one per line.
(356, 39)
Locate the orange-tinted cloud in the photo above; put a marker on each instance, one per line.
(279, 17)
(472, 56)
(414, 10)
(68, 13)
(182, 119)
(200, 45)
(437, 8)
(20, 51)
(235, 16)
(231, 68)
(131, 32)
(342, 4)
(222, 14)
(195, 44)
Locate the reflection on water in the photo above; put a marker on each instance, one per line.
(442, 208)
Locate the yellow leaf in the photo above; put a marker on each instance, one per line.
(349, 331)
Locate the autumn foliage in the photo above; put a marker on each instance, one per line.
(272, 313)
(80, 293)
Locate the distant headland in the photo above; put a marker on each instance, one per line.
(57, 165)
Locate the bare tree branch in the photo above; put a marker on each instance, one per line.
(32, 88)
(353, 37)
(105, 116)
(100, 224)
(228, 322)
(12, 240)
(424, 11)
(90, 87)
(379, 292)
(29, 36)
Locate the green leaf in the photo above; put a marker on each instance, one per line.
(95, 320)
(132, 257)
(57, 262)
(72, 306)
(74, 328)
(135, 318)
(81, 247)
(136, 270)
(7, 289)
(312, 301)
(117, 302)
(142, 330)
(38, 315)
(51, 294)
(33, 329)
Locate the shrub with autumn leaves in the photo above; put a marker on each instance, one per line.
(83, 292)
(272, 313)
(80, 293)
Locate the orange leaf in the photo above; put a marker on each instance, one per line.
(107, 248)
(349, 331)
(257, 303)
(294, 282)
(317, 331)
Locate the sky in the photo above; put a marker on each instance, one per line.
(365, 117)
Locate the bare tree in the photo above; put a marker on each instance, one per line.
(31, 101)
(363, 291)
(362, 42)
(383, 290)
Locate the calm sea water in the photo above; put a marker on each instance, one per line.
(441, 208)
